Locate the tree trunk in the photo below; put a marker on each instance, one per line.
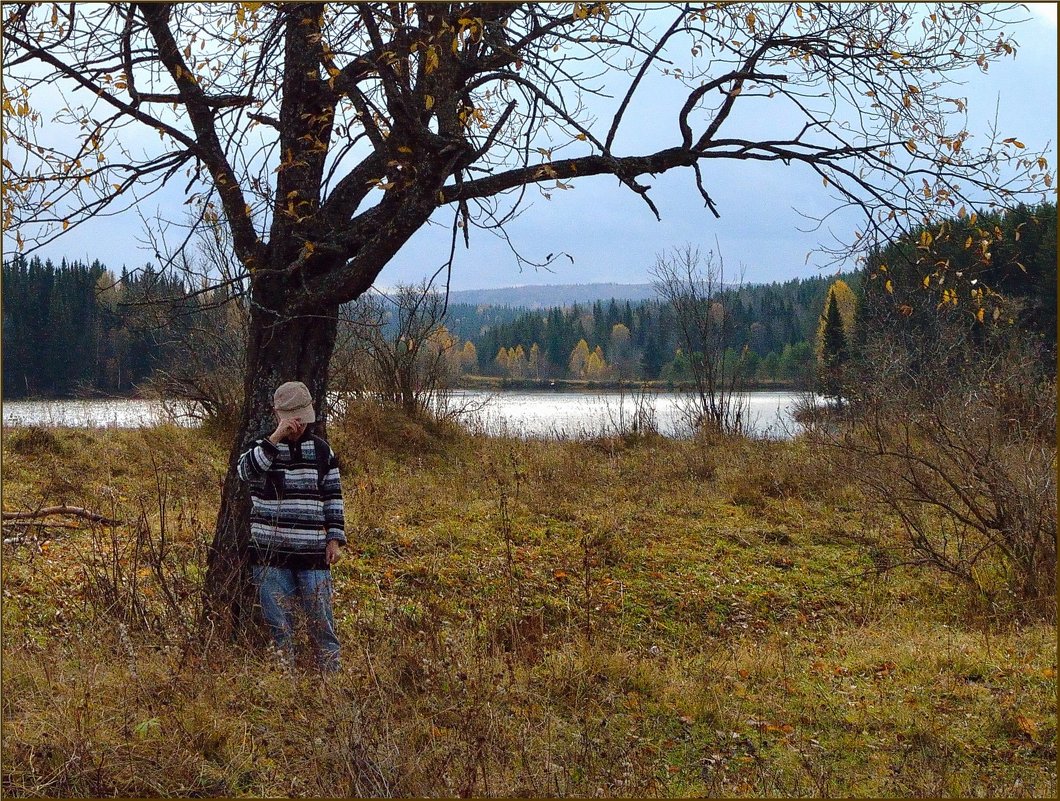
(279, 349)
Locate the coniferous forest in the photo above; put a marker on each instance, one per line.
(77, 329)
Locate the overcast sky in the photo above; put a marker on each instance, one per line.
(611, 234)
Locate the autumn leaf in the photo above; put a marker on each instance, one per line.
(431, 60)
(1027, 726)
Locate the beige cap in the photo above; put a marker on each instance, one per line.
(293, 400)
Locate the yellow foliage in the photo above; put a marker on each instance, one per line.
(847, 303)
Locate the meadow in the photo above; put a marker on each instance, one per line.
(620, 616)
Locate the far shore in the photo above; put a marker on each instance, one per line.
(490, 384)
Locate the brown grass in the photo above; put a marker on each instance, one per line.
(622, 617)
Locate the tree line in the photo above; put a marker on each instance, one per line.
(78, 329)
(774, 327)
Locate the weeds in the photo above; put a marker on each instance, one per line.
(518, 618)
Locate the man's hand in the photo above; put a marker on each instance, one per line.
(291, 428)
(332, 551)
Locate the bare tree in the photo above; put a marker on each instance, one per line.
(695, 286)
(399, 348)
(324, 136)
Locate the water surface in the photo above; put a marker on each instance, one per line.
(520, 413)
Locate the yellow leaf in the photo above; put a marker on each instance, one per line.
(66, 224)
(581, 137)
(927, 281)
(1027, 726)
(968, 243)
(431, 60)
(980, 315)
(889, 286)
(428, 101)
(751, 19)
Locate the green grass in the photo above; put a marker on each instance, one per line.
(615, 617)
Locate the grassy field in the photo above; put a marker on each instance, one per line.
(614, 617)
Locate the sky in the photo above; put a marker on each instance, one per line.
(611, 235)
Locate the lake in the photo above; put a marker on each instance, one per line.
(519, 413)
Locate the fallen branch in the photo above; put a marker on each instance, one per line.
(48, 511)
(40, 524)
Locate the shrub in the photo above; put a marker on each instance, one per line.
(967, 463)
(35, 440)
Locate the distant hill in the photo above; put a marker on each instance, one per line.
(548, 296)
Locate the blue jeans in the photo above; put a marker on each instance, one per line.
(279, 590)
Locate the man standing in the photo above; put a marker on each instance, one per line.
(296, 523)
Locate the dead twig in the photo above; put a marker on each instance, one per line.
(48, 511)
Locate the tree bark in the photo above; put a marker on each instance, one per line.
(279, 348)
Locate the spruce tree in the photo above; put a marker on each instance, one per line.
(835, 353)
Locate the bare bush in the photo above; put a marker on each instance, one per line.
(394, 348)
(207, 330)
(693, 285)
(963, 454)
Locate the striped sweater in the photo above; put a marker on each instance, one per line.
(293, 513)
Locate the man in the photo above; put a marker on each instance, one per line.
(296, 523)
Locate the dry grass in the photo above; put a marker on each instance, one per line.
(620, 617)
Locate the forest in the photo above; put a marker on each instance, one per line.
(77, 329)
